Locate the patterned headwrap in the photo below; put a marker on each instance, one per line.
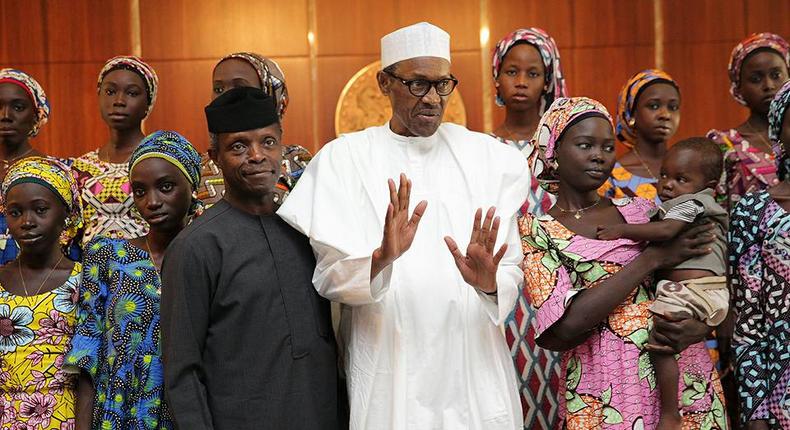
(563, 113)
(55, 176)
(34, 91)
(175, 149)
(136, 65)
(271, 77)
(746, 47)
(776, 116)
(555, 83)
(626, 102)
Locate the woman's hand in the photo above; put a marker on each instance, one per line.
(674, 334)
(689, 244)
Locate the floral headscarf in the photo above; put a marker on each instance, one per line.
(555, 86)
(272, 78)
(136, 65)
(563, 113)
(776, 116)
(175, 149)
(626, 102)
(34, 91)
(55, 176)
(746, 47)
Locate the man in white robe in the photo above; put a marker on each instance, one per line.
(422, 305)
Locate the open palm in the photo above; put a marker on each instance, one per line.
(479, 266)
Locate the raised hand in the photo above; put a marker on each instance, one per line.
(478, 267)
(399, 228)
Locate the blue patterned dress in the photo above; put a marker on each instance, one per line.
(760, 277)
(117, 340)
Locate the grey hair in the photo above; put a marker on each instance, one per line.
(213, 141)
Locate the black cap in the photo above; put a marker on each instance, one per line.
(241, 109)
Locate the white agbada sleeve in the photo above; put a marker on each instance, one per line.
(342, 231)
(510, 186)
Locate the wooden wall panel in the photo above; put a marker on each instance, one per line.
(701, 72)
(556, 17)
(333, 73)
(76, 122)
(298, 123)
(703, 21)
(209, 29)
(612, 23)
(350, 27)
(184, 90)
(768, 15)
(466, 67)
(599, 73)
(460, 18)
(23, 29)
(88, 38)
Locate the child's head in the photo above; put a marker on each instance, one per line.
(527, 72)
(690, 166)
(42, 204)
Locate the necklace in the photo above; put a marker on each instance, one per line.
(642, 162)
(22, 277)
(7, 163)
(762, 139)
(579, 212)
(510, 133)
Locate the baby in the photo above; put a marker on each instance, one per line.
(696, 288)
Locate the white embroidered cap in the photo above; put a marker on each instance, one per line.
(418, 40)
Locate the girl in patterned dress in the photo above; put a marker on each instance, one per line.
(117, 347)
(758, 67)
(648, 114)
(528, 77)
(38, 292)
(28, 111)
(592, 296)
(760, 275)
(127, 92)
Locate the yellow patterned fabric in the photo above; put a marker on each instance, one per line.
(35, 331)
(55, 176)
(107, 199)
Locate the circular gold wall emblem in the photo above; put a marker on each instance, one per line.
(361, 104)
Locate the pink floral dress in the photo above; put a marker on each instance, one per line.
(608, 380)
(35, 331)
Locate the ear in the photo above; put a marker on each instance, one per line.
(712, 184)
(212, 153)
(384, 82)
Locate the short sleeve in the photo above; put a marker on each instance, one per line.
(687, 211)
(87, 345)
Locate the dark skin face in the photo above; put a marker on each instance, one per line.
(17, 115)
(233, 73)
(122, 100)
(657, 113)
(250, 163)
(586, 154)
(162, 194)
(681, 173)
(416, 116)
(521, 77)
(586, 157)
(762, 74)
(35, 218)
